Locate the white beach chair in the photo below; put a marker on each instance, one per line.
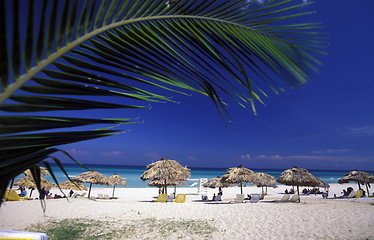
(106, 197)
(171, 197)
(11, 234)
(352, 194)
(100, 196)
(255, 198)
(285, 198)
(239, 198)
(218, 198)
(204, 198)
(294, 198)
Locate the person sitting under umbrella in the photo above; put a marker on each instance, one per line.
(23, 191)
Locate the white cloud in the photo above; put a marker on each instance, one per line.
(245, 157)
(343, 150)
(77, 152)
(365, 131)
(112, 154)
(191, 158)
(272, 157)
(291, 157)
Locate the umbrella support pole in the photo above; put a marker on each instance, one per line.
(11, 183)
(114, 187)
(367, 189)
(359, 187)
(298, 194)
(241, 187)
(89, 191)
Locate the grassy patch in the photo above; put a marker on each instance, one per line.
(150, 228)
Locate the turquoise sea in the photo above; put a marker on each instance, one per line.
(132, 173)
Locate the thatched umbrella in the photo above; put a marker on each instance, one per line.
(114, 180)
(216, 183)
(161, 183)
(91, 177)
(358, 176)
(238, 174)
(73, 186)
(29, 182)
(298, 177)
(262, 180)
(167, 171)
(43, 172)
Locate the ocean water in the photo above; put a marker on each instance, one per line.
(132, 173)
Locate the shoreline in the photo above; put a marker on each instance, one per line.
(313, 218)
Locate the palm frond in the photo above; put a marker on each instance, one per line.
(81, 55)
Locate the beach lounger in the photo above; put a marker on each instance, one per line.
(11, 195)
(255, 198)
(294, 198)
(239, 198)
(93, 198)
(352, 194)
(170, 197)
(20, 235)
(359, 193)
(204, 198)
(180, 198)
(218, 198)
(285, 198)
(100, 196)
(106, 197)
(162, 198)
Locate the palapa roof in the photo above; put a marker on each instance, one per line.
(73, 186)
(92, 176)
(263, 179)
(298, 177)
(166, 169)
(357, 176)
(43, 171)
(116, 179)
(238, 174)
(216, 183)
(161, 183)
(29, 182)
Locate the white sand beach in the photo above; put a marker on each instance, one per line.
(313, 218)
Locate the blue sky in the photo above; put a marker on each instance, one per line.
(328, 124)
